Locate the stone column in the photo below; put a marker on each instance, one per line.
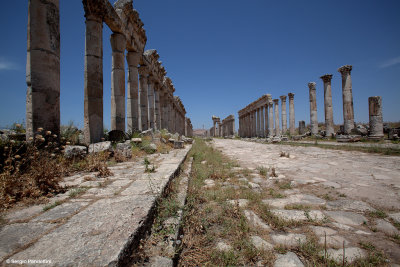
(93, 75)
(270, 117)
(164, 108)
(302, 127)
(248, 124)
(284, 116)
(219, 129)
(118, 44)
(214, 125)
(133, 86)
(170, 113)
(266, 120)
(254, 134)
(262, 129)
(375, 118)
(43, 67)
(277, 128)
(151, 99)
(328, 104)
(292, 127)
(144, 113)
(313, 108)
(258, 122)
(348, 110)
(157, 109)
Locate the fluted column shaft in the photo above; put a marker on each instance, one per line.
(375, 118)
(157, 108)
(283, 112)
(277, 128)
(292, 126)
(262, 128)
(43, 67)
(118, 44)
(93, 111)
(313, 108)
(133, 86)
(328, 105)
(144, 113)
(151, 99)
(270, 118)
(258, 122)
(347, 94)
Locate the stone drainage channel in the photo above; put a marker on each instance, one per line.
(165, 252)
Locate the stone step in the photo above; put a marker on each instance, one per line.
(98, 232)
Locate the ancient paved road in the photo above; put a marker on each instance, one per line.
(371, 178)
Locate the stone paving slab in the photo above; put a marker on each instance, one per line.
(98, 230)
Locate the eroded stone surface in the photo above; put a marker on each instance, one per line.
(301, 199)
(260, 243)
(223, 246)
(349, 205)
(61, 211)
(350, 254)
(299, 215)
(386, 227)
(290, 239)
(289, 259)
(241, 202)
(346, 217)
(255, 220)
(14, 236)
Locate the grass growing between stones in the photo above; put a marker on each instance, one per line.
(209, 219)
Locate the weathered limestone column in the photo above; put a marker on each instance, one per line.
(93, 75)
(284, 116)
(292, 127)
(277, 128)
(43, 67)
(266, 120)
(118, 44)
(348, 109)
(157, 109)
(262, 130)
(258, 122)
(214, 126)
(302, 127)
(313, 108)
(375, 118)
(144, 113)
(248, 124)
(328, 104)
(171, 114)
(151, 99)
(164, 107)
(133, 86)
(270, 117)
(254, 134)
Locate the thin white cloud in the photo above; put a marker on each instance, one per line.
(7, 65)
(390, 62)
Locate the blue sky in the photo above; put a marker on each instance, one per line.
(222, 55)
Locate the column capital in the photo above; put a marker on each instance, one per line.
(143, 71)
(276, 101)
(133, 58)
(118, 42)
(346, 69)
(312, 85)
(291, 96)
(283, 98)
(269, 98)
(326, 78)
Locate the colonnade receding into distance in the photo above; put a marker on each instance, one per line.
(257, 119)
(150, 100)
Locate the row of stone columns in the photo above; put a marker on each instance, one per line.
(150, 100)
(348, 110)
(375, 106)
(228, 126)
(258, 118)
